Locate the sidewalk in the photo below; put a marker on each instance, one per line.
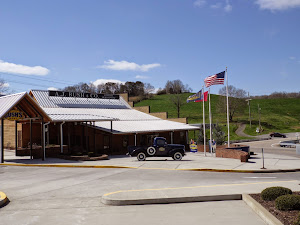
(202, 193)
(192, 161)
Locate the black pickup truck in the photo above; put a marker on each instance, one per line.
(160, 148)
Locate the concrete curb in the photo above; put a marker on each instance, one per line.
(129, 167)
(3, 199)
(244, 171)
(109, 201)
(264, 214)
(69, 166)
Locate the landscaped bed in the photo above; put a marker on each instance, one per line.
(84, 157)
(286, 217)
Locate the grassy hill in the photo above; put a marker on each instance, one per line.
(282, 115)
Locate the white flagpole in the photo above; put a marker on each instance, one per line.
(227, 108)
(204, 138)
(210, 147)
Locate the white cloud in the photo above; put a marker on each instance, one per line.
(141, 77)
(199, 3)
(124, 65)
(5, 85)
(52, 89)
(292, 58)
(6, 67)
(228, 7)
(216, 6)
(274, 5)
(104, 81)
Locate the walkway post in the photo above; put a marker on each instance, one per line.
(16, 136)
(2, 141)
(42, 141)
(30, 130)
(61, 137)
(262, 152)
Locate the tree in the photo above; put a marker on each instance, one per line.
(236, 100)
(3, 86)
(112, 88)
(218, 135)
(81, 87)
(133, 88)
(176, 87)
(178, 101)
(148, 89)
(200, 139)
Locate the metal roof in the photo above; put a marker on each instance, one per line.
(78, 118)
(124, 127)
(7, 102)
(46, 101)
(125, 119)
(117, 114)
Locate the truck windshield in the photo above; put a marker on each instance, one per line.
(160, 142)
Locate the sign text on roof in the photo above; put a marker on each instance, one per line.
(82, 95)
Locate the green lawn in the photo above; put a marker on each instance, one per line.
(282, 115)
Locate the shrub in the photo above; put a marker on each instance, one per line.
(288, 202)
(270, 194)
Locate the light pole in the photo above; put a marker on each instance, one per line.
(248, 100)
(259, 109)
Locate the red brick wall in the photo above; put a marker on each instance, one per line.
(234, 154)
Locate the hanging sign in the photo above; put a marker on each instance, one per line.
(14, 115)
(82, 95)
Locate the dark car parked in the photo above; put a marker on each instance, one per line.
(160, 148)
(276, 134)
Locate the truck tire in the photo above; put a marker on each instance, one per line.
(177, 156)
(141, 156)
(151, 151)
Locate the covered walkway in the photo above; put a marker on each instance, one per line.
(21, 108)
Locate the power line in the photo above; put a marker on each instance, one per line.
(41, 79)
(24, 83)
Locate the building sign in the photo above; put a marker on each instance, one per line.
(14, 115)
(82, 95)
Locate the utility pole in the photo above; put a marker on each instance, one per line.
(259, 109)
(248, 100)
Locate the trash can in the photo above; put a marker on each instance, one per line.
(193, 148)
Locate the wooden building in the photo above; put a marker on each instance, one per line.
(84, 122)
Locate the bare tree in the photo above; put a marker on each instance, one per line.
(178, 101)
(236, 100)
(176, 87)
(82, 87)
(148, 89)
(100, 88)
(3, 86)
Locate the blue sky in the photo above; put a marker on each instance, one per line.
(59, 43)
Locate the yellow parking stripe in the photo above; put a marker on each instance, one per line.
(215, 185)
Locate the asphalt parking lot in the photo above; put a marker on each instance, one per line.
(62, 195)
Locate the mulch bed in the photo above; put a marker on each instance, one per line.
(84, 157)
(286, 217)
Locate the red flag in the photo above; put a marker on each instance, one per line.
(205, 97)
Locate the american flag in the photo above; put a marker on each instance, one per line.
(215, 79)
